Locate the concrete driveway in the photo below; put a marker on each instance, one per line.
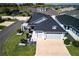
(51, 47)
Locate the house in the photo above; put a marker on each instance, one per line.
(36, 9)
(40, 9)
(45, 27)
(73, 13)
(44, 10)
(50, 12)
(70, 24)
(67, 9)
(31, 9)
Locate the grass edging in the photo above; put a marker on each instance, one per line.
(11, 47)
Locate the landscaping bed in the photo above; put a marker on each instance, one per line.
(72, 46)
(11, 47)
(74, 51)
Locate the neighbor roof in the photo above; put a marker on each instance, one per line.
(45, 23)
(74, 13)
(69, 20)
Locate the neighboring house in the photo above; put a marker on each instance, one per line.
(50, 12)
(67, 9)
(31, 9)
(74, 13)
(44, 27)
(44, 10)
(71, 25)
(36, 9)
(41, 9)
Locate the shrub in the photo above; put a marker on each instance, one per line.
(24, 14)
(29, 14)
(19, 31)
(75, 43)
(9, 19)
(23, 41)
(67, 41)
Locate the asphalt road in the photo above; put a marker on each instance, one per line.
(6, 33)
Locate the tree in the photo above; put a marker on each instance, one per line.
(6, 10)
(27, 4)
(40, 4)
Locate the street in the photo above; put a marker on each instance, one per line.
(7, 32)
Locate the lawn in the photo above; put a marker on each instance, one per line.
(2, 27)
(74, 51)
(2, 14)
(58, 10)
(11, 47)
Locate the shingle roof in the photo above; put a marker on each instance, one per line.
(35, 17)
(69, 20)
(74, 13)
(71, 12)
(45, 25)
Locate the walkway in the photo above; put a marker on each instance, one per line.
(51, 47)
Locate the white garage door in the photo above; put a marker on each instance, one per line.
(40, 35)
(54, 36)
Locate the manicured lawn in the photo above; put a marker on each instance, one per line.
(3, 14)
(2, 27)
(11, 47)
(74, 51)
(58, 10)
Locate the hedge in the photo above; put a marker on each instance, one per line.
(75, 43)
(67, 41)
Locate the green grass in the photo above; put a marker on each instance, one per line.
(23, 14)
(2, 27)
(74, 51)
(11, 47)
(58, 10)
(2, 14)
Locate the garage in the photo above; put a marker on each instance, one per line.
(48, 35)
(54, 36)
(39, 35)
